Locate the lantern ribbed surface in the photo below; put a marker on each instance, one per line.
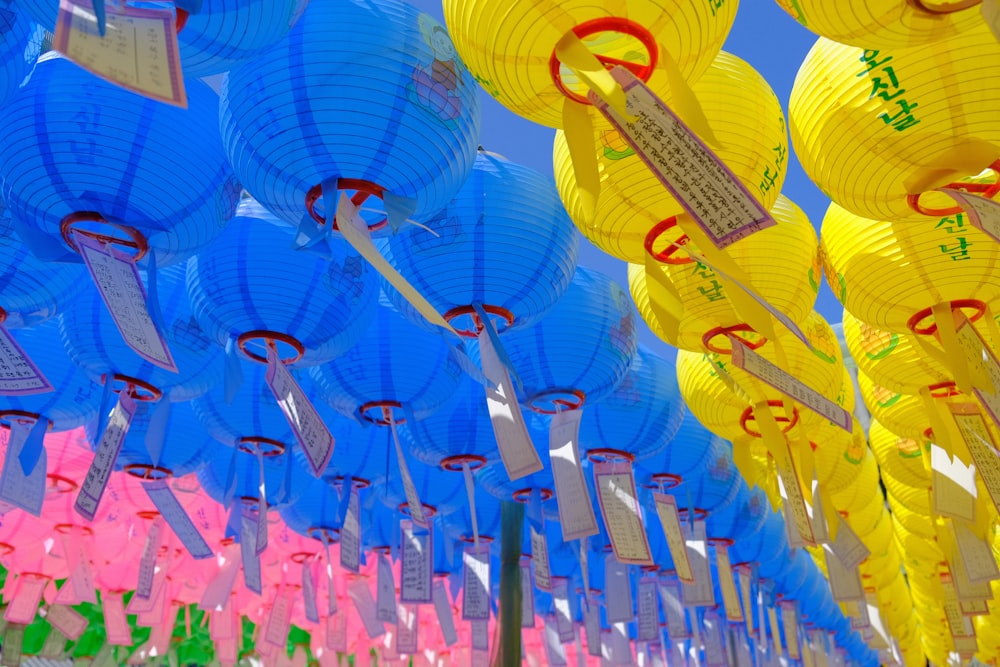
(213, 476)
(716, 487)
(585, 344)
(251, 279)
(361, 451)
(748, 122)
(94, 343)
(901, 460)
(20, 43)
(510, 46)
(75, 143)
(643, 413)
(504, 241)
(917, 119)
(395, 361)
(790, 285)
(306, 111)
(686, 455)
(317, 508)
(445, 492)
(885, 273)
(76, 397)
(744, 516)
(885, 23)
(773, 541)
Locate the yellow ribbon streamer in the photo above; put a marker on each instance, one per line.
(743, 458)
(958, 364)
(578, 128)
(664, 299)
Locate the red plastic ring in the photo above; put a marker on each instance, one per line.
(8, 415)
(382, 549)
(956, 7)
(609, 24)
(266, 446)
(721, 541)
(944, 390)
(362, 191)
(135, 239)
(503, 315)
(699, 513)
(324, 535)
(147, 471)
(729, 333)
(132, 385)
(561, 399)
(270, 339)
(988, 190)
(429, 510)
(454, 463)
(60, 484)
(484, 539)
(748, 416)
(356, 482)
(977, 307)
(386, 408)
(609, 455)
(6, 549)
(524, 495)
(68, 528)
(666, 255)
(181, 21)
(3, 315)
(665, 481)
(149, 515)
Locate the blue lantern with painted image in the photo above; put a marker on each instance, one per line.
(20, 44)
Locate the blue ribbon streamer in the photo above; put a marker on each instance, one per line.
(105, 408)
(498, 346)
(232, 372)
(156, 432)
(533, 511)
(43, 246)
(33, 446)
(153, 294)
(398, 210)
(102, 19)
(230, 488)
(234, 523)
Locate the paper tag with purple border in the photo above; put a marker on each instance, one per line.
(619, 503)
(19, 376)
(96, 481)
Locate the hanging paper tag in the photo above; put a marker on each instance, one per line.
(648, 610)
(974, 607)
(331, 588)
(540, 559)
(476, 582)
(24, 605)
(965, 590)
(781, 380)
(67, 621)
(309, 592)
(845, 583)
(18, 374)
(952, 609)
(791, 623)
(983, 213)
(981, 446)
(306, 423)
(793, 502)
(406, 628)
(361, 595)
(222, 625)
(727, 584)
(620, 509)
(527, 596)
(350, 533)
(117, 279)
(54, 647)
(701, 593)
(115, 622)
(617, 591)
(520, 458)
(409, 489)
(817, 517)
(848, 547)
(17, 488)
(385, 609)
(576, 512)
(745, 592)
(666, 509)
(147, 562)
(277, 624)
(953, 486)
(170, 509)
(858, 611)
(711, 194)
(563, 616)
(592, 624)
(92, 489)
(444, 612)
(554, 651)
(248, 551)
(10, 653)
(480, 631)
(715, 655)
(138, 50)
(772, 619)
(982, 363)
(138, 605)
(977, 557)
(336, 632)
(219, 590)
(417, 563)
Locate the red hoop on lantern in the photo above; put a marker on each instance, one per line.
(271, 340)
(666, 256)
(561, 399)
(387, 415)
(915, 325)
(267, 447)
(134, 239)
(524, 495)
(362, 191)
(454, 463)
(729, 333)
(147, 471)
(503, 316)
(132, 385)
(988, 190)
(789, 424)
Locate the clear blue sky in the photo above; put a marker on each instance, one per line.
(767, 38)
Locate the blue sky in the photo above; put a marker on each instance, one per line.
(763, 35)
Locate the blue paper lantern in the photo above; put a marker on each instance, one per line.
(441, 493)
(94, 343)
(458, 525)
(504, 242)
(315, 513)
(368, 98)
(249, 284)
(20, 43)
(361, 452)
(741, 518)
(641, 416)
(764, 546)
(80, 153)
(281, 484)
(75, 398)
(715, 488)
(683, 457)
(581, 350)
(32, 290)
(396, 368)
(495, 481)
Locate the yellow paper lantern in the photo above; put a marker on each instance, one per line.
(838, 456)
(900, 459)
(885, 23)
(509, 45)
(748, 123)
(873, 126)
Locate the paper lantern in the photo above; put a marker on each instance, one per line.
(251, 285)
(279, 489)
(504, 242)
(790, 285)
(305, 114)
(900, 460)
(743, 517)
(715, 489)
(687, 454)
(84, 154)
(915, 117)
(315, 513)
(20, 43)
(634, 207)
(884, 23)
(439, 490)
(512, 52)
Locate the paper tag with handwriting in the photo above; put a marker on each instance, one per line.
(248, 551)
(848, 547)
(715, 654)
(17, 489)
(790, 620)
(306, 423)
(115, 622)
(278, 621)
(336, 632)
(445, 613)
(540, 559)
(19, 376)
(619, 502)
(476, 582)
(92, 489)
(977, 556)
(138, 51)
(407, 624)
(178, 520)
(789, 385)
(385, 600)
(309, 592)
(711, 194)
(350, 533)
(147, 562)
(845, 583)
(417, 563)
(23, 607)
(13, 638)
(617, 591)
(560, 602)
(673, 610)
(361, 595)
(666, 509)
(701, 593)
(576, 512)
(793, 502)
(977, 437)
(592, 624)
(520, 458)
(67, 621)
(745, 571)
(648, 610)
(727, 584)
(953, 485)
(527, 596)
(981, 359)
(983, 213)
(120, 286)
